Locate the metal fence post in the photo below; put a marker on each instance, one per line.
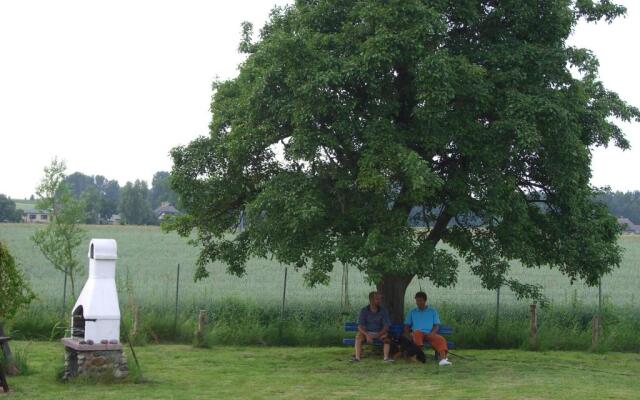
(497, 313)
(596, 323)
(284, 294)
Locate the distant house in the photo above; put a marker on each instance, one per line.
(628, 226)
(114, 220)
(35, 216)
(165, 210)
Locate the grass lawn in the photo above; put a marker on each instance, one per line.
(182, 372)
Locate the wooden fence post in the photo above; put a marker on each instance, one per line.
(533, 327)
(596, 331)
(136, 322)
(202, 322)
(175, 318)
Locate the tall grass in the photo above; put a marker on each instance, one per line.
(560, 327)
(18, 364)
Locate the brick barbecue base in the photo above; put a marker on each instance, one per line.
(95, 360)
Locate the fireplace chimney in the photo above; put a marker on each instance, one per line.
(96, 314)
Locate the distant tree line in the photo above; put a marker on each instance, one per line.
(8, 210)
(619, 204)
(102, 198)
(135, 202)
(623, 204)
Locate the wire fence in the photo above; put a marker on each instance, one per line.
(147, 275)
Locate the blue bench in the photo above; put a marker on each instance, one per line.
(396, 330)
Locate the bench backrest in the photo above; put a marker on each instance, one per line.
(396, 329)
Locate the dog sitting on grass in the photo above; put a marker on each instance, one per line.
(404, 347)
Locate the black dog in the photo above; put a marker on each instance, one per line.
(401, 346)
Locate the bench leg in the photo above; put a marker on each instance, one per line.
(3, 381)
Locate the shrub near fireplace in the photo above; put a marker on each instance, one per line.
(94, 348)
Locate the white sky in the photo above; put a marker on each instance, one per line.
(112, 86)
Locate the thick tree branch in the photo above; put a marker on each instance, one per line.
(440, 226)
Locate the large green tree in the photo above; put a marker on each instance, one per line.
(346, 114)
(111, 199)
(100, 195)
(161, 190)
(78, 183)
(109, 196)
(135, 206)
(92, 200)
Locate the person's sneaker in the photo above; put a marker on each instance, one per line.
(354, 359)
(444, 362)
(388, 360)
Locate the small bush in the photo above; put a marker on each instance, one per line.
(18, 364)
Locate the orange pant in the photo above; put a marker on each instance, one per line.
(438, 343)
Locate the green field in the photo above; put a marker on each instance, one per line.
(182, 372)
(25, 204)
(149, 257)
(247, 310)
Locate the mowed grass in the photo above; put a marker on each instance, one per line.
(147, 261)
(183, 372)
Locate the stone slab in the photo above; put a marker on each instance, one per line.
(75, 344)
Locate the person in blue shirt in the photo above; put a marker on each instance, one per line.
(373, 323)
(423, 323)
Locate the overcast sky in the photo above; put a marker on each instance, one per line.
(112, 86)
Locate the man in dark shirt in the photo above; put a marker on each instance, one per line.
(373, 323)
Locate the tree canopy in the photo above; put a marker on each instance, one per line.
(347, 114)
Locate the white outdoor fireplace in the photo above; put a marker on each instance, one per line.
(94, 346)
(96, 314)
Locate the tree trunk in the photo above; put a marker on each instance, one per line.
(64, 295)
(393, 288)
(73, 283)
